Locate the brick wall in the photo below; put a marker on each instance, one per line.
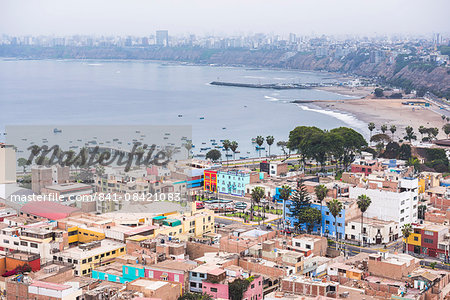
(261, 269)
(196, 250)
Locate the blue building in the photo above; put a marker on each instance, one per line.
(118, 273)
(328, 221)
(234, 182)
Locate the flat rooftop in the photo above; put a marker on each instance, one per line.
(106, 246)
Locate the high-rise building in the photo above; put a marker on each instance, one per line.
(162, 38)
(42, 176)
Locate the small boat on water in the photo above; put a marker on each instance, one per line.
(253, 140)
(137, 131)
(202, 118)
(56, 130)
(260, 148)
(180, 116)
(115, 140)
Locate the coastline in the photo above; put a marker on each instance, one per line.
(386, 111)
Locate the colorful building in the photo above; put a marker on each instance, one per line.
(233, 182)
(210, 181)
(430, 239)
(116, 272)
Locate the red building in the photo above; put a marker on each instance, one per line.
(210, 181)
(366, 166)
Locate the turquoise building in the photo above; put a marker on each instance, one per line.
(128, 274)
(233, 182)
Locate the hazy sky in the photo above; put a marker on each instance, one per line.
(143, 17)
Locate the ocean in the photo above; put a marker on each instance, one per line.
(102, 92)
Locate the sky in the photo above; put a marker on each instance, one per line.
(223, 17)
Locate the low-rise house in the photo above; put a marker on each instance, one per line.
(155, 289)
(375, 231)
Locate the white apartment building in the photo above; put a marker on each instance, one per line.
(399, 206)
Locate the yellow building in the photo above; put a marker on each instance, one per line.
(88, 256)
(84, 235)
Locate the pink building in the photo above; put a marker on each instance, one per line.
(220, 290)
(171, 270)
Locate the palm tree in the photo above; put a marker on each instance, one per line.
(443, 117)
(335, 207)
(321, 193)
(422, 130)
(188, 147)
(371, 127)
(22, 162)
(383, 128)
(226, 146)
(406, 232)
(257, 195)
(393, 129)
(363, 204)
(285, 193)
(269, 141)
(259, 141)
(233, 147)
(410, 134)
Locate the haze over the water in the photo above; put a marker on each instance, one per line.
(142, 17)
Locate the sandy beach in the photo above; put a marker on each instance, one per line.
(389, 112)
(360, 92)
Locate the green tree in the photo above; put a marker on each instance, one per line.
(383, 128)
(335, 208)
(414, 162)
(363, 204)
(311, 216)
(237, 288)
(259, 141)
(371, 127)
(409, 134)
(195, 296)
(352, 144)
(380, 138)
(446, 129)
(22, 162)
(422, 130)
(392, 150)
(300, 200)
(270, 140)
(393, 129)
(213, 155)
(257, 194)
(406, 232)
(443, 117)
(378, 93)
(233, 146)
(405, 152)
(300, 141)
(321, 192)
(226, 146)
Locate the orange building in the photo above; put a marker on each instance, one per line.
(210, 181)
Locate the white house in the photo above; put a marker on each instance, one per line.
(399, 206)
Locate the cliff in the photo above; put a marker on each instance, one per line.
(407, 75)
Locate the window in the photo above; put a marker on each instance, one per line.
(427, 232)
(194, 274)
(253, 286)
(214, 290)
(102, 255)
(176, 278)
(150, 274)
(327, 222)
(96, 257)
(6, 241)
(69, 260)
(22, 243)
(89, 259)
(308, 246)
(353, 226)
(85, 271)
(193, 284)
(339, 224)
(428, 241)
(75, 261)
(16, 243)
(202, 275)
(84, 261)
(122, 249)
(416, 238)
(113, 252)
(108, 253)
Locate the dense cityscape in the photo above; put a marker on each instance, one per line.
(232, 150)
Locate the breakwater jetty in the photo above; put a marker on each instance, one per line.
(275, 86)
